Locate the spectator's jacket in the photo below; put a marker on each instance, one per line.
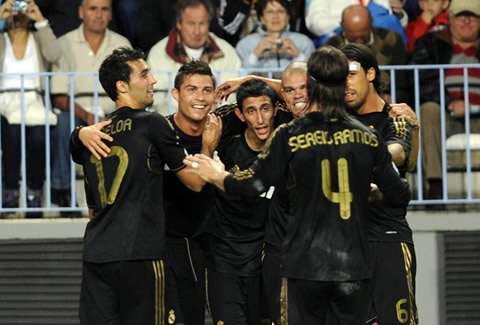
(433, 48)
(419, 27)
(176, 51)
(267, 59)
(168, 55)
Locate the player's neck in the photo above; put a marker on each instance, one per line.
(253, 142)
(189, 126)
(373, 103)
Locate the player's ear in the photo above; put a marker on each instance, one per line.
(371, 74)
(239, 114)
(122, 86)
(175, 93)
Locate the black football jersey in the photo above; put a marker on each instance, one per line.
(186, 211)
(328, 166)
(238, 222)
(125, 189)
(387, 223)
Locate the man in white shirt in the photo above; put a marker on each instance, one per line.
(190, 39)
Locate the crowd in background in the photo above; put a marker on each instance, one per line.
(75, 36)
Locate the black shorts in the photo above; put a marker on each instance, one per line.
(316, 302)
(393, 284)
(187, 260)
(234, 299)
(131, 292)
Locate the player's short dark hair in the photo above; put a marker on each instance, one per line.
(255, 88)
(262, 4)
(115, 68)
(363, 55)
(184, 4)
(327, 76)
(190, 68)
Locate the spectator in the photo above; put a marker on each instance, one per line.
(24, 51)
(237, 19)
(434, 17)
(385, 44)
(455, 45)
(190, 39)
(323, 17)
(273, 46)
(62, 15)
(83, 50)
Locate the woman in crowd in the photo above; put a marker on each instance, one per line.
(27, 46)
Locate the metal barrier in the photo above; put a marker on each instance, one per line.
(416, 178)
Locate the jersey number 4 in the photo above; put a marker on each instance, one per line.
(343, 197)
(122, 156)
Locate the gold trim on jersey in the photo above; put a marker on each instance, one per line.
(400, 127)
(243, 174)
(412, 308)
(284, 302)
(159, 273)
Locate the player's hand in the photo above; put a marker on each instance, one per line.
(227, 87)
(375, 194)
(211, 134)
(92, 138)
(210, 170)
(404, 111)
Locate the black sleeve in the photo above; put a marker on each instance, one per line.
(266, 170)
(398, 130)
(395, 190)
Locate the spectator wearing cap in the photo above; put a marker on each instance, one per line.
(458, 44)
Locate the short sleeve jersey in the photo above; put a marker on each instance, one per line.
(330, 165)
(125, 189)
